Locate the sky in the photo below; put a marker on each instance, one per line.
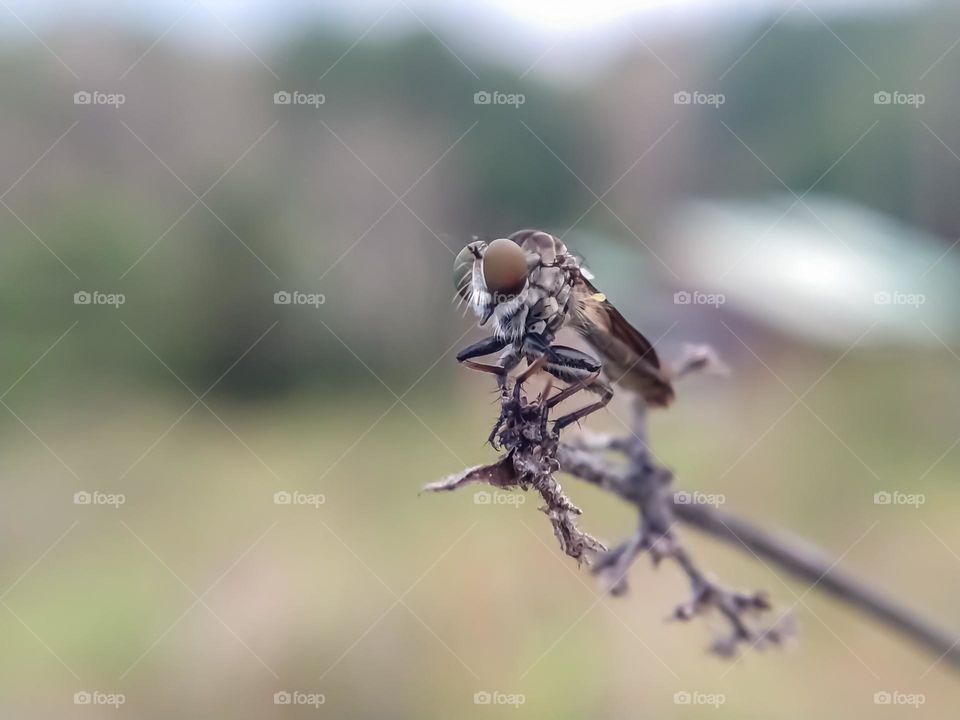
(575, 37)
(544, 16)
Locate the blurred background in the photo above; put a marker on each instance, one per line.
(228, 229)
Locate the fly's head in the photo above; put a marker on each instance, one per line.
(491, 274)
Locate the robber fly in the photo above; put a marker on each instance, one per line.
(529, 286)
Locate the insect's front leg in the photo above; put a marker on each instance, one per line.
(486, 346)
(534, 347)
(508, 360)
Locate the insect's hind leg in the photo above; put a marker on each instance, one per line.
(599, 386)
(583, 373)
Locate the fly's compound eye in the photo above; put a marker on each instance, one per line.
(504, 267)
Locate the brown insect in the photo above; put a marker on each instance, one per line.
(529, 286)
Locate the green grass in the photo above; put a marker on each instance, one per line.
(488, 591)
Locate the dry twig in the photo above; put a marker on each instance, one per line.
(530, 462)
(534, 453)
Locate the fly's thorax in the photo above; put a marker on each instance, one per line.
(546, 317)
(544, 245)
(551, 280)
(544, 313)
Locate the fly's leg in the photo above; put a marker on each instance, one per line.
(532, 369)
(606, 394)
(535, 349)
(492, 344)
(512, 401)
(487, 346)
(508, 360)
(573, 366)
(583, 373)
(487, 368)
(572, 390)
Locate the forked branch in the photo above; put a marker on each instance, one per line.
(534, 453)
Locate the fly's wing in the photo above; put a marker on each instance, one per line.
(629, 358)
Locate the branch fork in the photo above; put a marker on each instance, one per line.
(534, 453)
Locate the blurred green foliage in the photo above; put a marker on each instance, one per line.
(306, 198)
